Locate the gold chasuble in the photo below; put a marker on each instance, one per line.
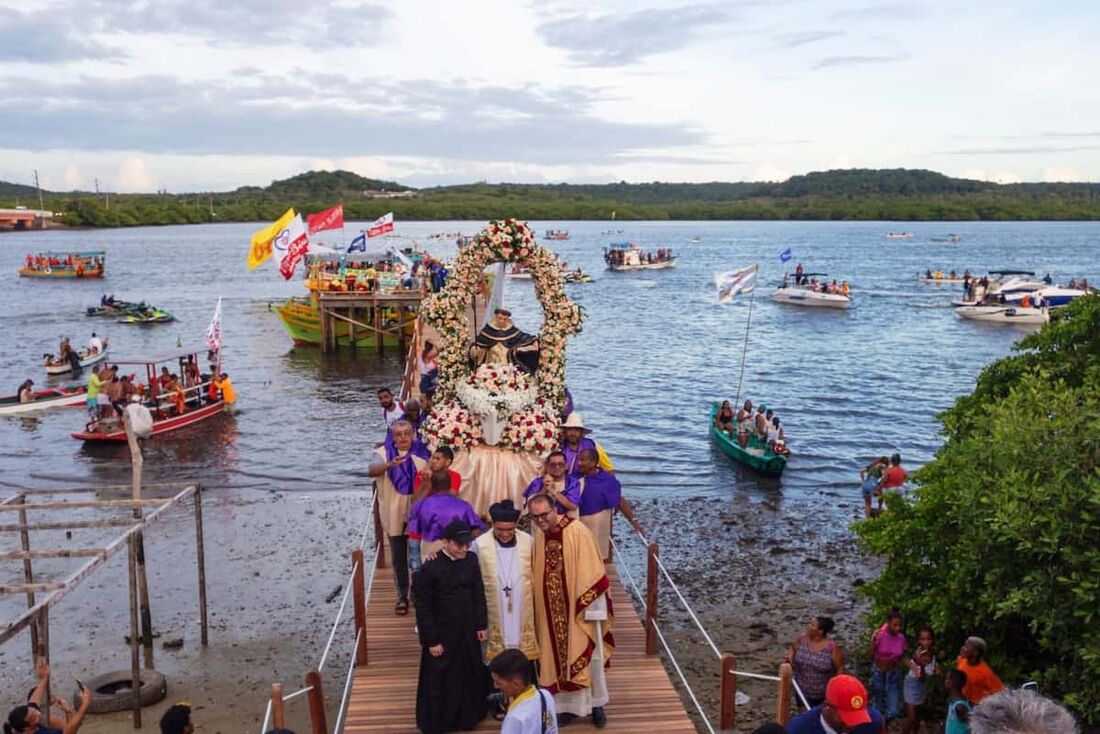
(393, 507)
(509, 594)
(569, 577)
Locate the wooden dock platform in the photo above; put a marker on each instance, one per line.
(383, 695)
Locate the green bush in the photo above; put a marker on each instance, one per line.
(1002, 536)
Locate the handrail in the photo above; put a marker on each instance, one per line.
(412, 370)
(343, 710)
(339, 617)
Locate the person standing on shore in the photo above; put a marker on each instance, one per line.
(870, 477)
(575, 440)
(914, 687)
(575, 641)
(504, 556)
(555, 482)
(451, 621)
(886, 651)
(815, 659)
(893, 479)
(394, 465)
(981, 681)
(601, 495)
(845, 710)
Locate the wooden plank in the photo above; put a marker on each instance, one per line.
(383, 695)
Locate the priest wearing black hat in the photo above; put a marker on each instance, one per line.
(451, 621)
(505, 559)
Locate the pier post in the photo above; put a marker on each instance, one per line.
(378, 339)
(379, 536)
(28, 573)
(651, 581)
(135, 657)
(783, 699)
(727, 693)
(200, 558)
(359, 594)
(317, 720)
(278, 715)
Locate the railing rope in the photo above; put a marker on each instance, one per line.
(339, 618)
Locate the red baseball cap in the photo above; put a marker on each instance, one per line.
(848, 696)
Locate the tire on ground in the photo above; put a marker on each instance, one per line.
(112, 691)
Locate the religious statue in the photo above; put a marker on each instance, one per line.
(500, 342)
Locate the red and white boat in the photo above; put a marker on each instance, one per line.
(199, 406)
(57, 397)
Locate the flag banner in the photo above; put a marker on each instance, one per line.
(213, 334)
(730, 284)
(332, 218)
(293, 243)
(785, 255)
(261, 248)
(381, 225)
(359, 243)
(403, 258)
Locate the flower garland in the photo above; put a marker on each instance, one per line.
(534, 431)
(499, 388)
(451, 424)
(508, 241)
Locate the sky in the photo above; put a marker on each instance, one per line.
(201, 95)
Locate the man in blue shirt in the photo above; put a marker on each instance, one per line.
(845, 711)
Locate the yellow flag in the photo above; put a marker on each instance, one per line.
(262, 240)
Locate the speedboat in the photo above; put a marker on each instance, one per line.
(948, 238)
(1013, 288)
(1004, 314)
(803, 294)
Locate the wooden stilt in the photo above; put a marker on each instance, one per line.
(379, 346)
(136, 463)
(44, 646)
(200, 557)
(135, 657)
(28, 574)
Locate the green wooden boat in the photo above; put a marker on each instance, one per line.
(754, 456)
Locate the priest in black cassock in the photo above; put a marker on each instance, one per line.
(452, 619)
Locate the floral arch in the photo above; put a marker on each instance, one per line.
(530, 404)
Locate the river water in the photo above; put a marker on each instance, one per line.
(655, 351)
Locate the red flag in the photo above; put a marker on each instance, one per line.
(297, 250)
(381, 225)
(328, 219)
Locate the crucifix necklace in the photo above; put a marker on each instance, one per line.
(506, 581)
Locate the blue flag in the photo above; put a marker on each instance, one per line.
(785, 255)
(359, 243)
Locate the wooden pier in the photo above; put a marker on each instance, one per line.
(383, 694)
(379, 314)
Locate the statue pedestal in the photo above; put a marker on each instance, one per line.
(490, 474)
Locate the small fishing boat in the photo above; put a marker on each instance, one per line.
(802, 293)
(148, 316)
(199, 406)
(625, 257)
(557, 234)
(57, 397)
(54, 365)
(899, 235)
(64, 265)
(947, 238)
(1004, 314)
(755, 456)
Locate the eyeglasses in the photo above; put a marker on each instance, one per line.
(541, 516)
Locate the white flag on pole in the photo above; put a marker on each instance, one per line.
(214, 331)
(742, 280)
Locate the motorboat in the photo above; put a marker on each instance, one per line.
(625, 257)
(57, 397)
(801, 292)
(557, 234)
(1013, 287)
(55, 366)
(1004, 314)
(899, 235)
(65, 265)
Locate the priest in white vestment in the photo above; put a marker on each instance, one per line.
(505, 559)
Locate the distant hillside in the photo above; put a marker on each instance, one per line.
(852, 194)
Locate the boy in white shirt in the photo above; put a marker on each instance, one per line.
(531, 710)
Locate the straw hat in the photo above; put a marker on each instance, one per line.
(575, 421)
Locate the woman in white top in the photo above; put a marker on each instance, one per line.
(744, 424)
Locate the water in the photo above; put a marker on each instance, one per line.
(655, 351)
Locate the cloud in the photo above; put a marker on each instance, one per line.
(134, 175)
(1061, 174)
(1056, 135)
(626, 38)
(46, 37)
(881, 11)
(803, 38)
(326, 116)
(1019, 150)
(830, 62)
(1001, 177)
(72, 178)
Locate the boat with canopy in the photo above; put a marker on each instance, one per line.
(801, 292)
(64, 265)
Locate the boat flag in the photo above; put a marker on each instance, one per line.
(730, 284)
(332, 218)
(213, 334)
(262, 241)
(785, 255)
(293, 243)
(381, 225)
(359, 243)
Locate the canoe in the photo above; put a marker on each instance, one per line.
(53, 367)
(113, 431)
(57, 397)
(754, 456)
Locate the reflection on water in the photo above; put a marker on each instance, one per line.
(655, 351)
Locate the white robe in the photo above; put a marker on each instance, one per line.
(581, 703)
(508, 567)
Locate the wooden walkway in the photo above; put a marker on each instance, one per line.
(383, 695)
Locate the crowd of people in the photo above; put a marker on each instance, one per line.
(484, 587)
(760, 429)
(904, 672)
(47, 262)
(425, 273)
(802, 279)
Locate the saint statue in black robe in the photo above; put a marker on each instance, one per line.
(450, 611)
(500, 342)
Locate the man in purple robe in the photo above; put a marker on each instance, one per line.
(601, 495)
(431, 515)
(557, 484)
(575, 440)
